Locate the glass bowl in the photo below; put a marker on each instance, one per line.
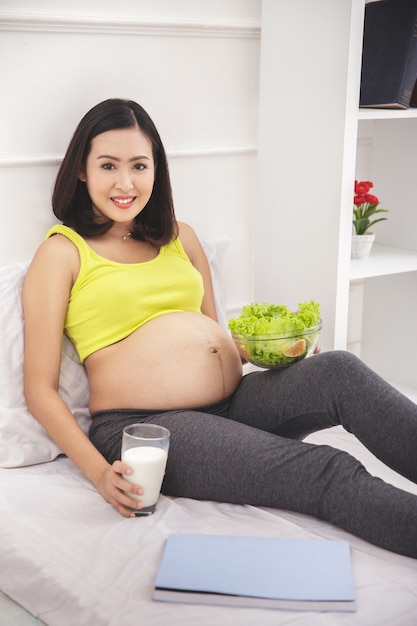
(278, 350)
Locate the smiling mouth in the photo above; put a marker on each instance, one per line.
(123, 202)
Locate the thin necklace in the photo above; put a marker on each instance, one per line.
(125, 237)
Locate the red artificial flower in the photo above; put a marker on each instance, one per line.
(365, 206)
(359, 200)
(362, 187)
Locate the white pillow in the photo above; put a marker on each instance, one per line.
(23, 441)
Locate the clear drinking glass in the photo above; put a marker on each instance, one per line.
(145, 450)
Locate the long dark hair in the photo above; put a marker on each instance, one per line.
(71, 202)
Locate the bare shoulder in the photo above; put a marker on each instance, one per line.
(56, 256)
(189, 240)
(59, 244)
(185, 232)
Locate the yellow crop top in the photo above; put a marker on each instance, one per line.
(110, 300)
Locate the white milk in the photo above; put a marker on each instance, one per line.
(148, 465)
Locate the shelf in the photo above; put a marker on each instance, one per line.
(387, 114)
(384, 260)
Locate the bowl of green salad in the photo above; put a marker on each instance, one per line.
(271, 336)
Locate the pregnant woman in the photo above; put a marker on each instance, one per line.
(131, 288)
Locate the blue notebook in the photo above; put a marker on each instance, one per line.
(263, 572)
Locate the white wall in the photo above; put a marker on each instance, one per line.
(307, 151)
(194, 65)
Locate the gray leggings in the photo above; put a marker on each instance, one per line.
(249, 449)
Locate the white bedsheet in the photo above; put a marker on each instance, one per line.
(70, 559)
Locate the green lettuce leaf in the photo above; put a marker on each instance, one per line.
(274, 319)
(271, 320)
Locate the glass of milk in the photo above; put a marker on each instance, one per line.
(145, 450)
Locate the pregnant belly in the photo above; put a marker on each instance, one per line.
(178, 360)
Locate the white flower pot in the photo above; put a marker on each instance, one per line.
(362, 245)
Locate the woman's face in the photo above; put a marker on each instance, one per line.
(119, 174)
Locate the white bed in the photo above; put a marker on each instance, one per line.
(68, 558)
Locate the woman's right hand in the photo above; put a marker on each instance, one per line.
(115, 489)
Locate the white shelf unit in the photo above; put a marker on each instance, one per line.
(389, 276)
(384, 260)
(308, 152)
(386, 114)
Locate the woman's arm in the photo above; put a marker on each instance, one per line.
(45, 300)
(197, 256)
